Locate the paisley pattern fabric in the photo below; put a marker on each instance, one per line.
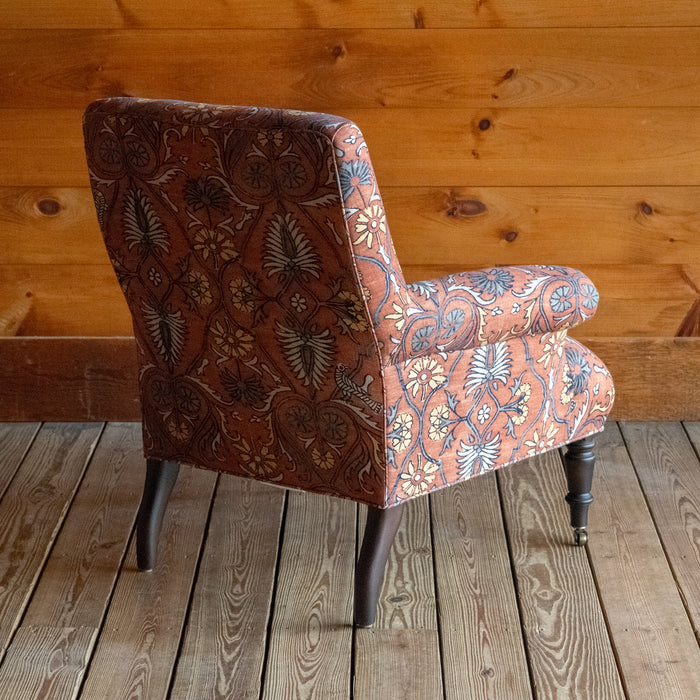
(277, 336)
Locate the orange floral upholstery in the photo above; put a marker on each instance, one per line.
(277, 337)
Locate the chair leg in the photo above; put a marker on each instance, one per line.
(380, 531)
(160, 479)
(579, 462)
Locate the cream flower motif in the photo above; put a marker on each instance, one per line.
(567, 390)
(259, 461)
(198, 287)
(522, 395)
(179, 429)
(397, 317)
(215, 243)
(439, 422)
(425, 375)
(323, 460)
(401, 432)
(353, 311)
(369, 223)
(274, 136)
(418, 478)
(298, 303)
(229, 343)
(541, 442)
(553, 347)
(242, 294)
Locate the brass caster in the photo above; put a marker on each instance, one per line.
(580, 536)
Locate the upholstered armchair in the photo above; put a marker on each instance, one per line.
(278, 339)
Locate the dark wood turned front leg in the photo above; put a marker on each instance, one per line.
(579, 462)
(380, 531)
(160, 479)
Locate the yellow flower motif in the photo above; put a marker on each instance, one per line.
(439, 422)
(229, 344)
(274, 136)
(523, 394)
(417, 478)
(425, 375)
(322, 460)
(397, 316)
(198, 287)
(258, 461)
(215, 243)
(369, 223)
(401, 432)
(543, 442)
(241, 294)
(567, 391)
(553, 347)
(179, 429)
(353, 311)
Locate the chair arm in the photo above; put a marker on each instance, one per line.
(486, 306)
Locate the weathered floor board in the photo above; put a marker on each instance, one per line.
(485, 596)
(399, 656)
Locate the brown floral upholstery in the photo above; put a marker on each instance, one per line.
(277, 336)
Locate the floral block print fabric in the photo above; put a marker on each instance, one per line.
(277, 336)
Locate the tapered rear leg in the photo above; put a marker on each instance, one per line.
(380, 531)
(160, 478)
(579, 462)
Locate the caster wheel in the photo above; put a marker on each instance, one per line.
(580, 536)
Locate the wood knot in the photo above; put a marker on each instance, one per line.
(484, 124)
(464, 208)
(509, 236)
(339, 51)
(48, 207)
(419, 19)
(645, 208)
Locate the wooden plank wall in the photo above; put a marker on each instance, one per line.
(502, 132)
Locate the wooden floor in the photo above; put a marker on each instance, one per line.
(485, 596)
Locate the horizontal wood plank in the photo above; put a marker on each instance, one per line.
(654, 642)
(85, 300)
(481, 225)
(96, 378)
(635, 146)
(212, 14)
(399, 69)
(87, 377)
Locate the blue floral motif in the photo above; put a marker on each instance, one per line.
(424, 289)
(589, 296)
(578, 371)
(421, 338)
(352, 174)
(559, 300)
(453, 322)
(496, 281)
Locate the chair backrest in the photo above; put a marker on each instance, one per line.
(252, 248)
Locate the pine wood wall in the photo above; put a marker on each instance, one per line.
(502, 131)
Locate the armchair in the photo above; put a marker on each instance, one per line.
(278, 340)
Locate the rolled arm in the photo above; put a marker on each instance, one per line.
(486, 306)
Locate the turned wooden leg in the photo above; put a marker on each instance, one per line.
(160, 479)
(380, 531)
(579, 462)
